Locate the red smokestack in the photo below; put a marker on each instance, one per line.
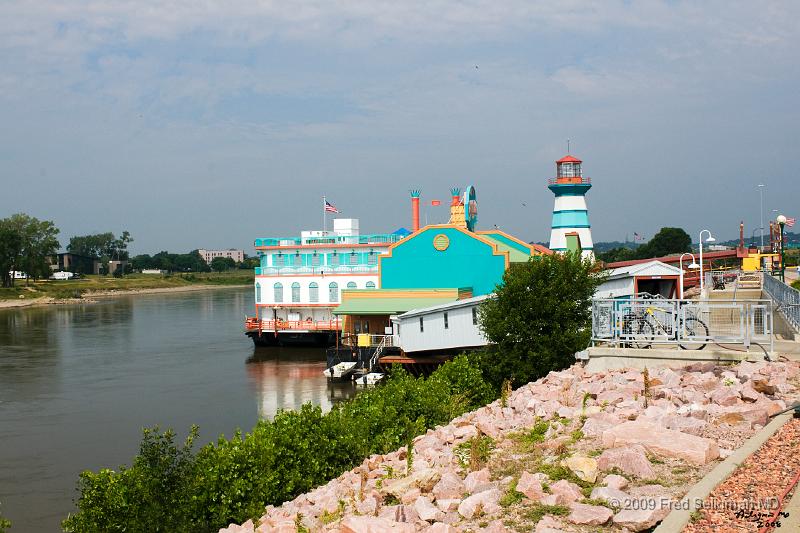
(415, 210)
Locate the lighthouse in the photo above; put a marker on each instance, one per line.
(570, 229)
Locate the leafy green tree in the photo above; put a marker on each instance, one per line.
(95, 246)
(617, 254)
(221, 264)
(26, 244)
(539, 317)
(667, 241)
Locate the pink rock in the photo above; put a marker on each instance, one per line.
(595, 425)
(477, 479)
(570, 492)
(615, 497)
(725, 396)
(448, 505)
(449, 486)
(486, 502)
(615, 481)
(367, 506)
(591, 515)
(372, 524)
(530, 486)
(426, 510)
(548, 524)
(466, 432)
(495, 526)
(665, 442)
(631, 460)
(440, 527)
(411, 496)
(640, 519)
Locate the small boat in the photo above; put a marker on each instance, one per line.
(369, 379)
(340, 370)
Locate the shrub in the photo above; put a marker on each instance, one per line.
(169, 488)
(539, 318)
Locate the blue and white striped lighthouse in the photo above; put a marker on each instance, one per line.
(570, 229)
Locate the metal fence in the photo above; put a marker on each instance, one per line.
(690, 324)
(786, 298)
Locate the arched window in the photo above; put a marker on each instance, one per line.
(352, 285)
(295, 292)
(313, 292)
(333, 292)
(370, 284)
(278, 292)
(258, 293)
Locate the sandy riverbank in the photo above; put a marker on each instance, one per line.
(89, 296)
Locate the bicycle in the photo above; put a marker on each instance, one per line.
(642, 327)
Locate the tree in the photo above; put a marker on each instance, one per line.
(95, 246)
(667, 241)
(26, 244)
(616, 254)
(221, 264)
(539, 317)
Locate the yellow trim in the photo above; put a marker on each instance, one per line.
(475, 235)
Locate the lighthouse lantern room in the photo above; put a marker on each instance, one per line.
(570, 229)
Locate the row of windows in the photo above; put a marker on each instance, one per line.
(447, 320)
(315, 260)
(313, 291)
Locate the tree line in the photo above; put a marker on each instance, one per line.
(667, 241)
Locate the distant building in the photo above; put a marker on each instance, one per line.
(78, 264)
(210, 255)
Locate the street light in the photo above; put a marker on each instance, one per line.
(761, 194)
(781, 220)
(693, 266)
(710, 238)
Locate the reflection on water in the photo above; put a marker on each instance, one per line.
(78, 382)
(291, 377)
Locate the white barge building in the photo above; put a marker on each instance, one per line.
(299, 281)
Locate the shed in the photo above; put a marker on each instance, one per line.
(653, 277)
(449, 327)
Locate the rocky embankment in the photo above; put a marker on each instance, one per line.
(570, 452)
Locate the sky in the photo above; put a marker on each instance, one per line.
(209, 124)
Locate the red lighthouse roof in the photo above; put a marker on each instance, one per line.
(569, 159)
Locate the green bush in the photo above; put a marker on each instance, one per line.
(539, 318)
(169, 488)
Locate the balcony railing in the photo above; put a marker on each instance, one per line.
(375, 238)
(575, 180)
(290, 270)
(252, 323)
(357, 339)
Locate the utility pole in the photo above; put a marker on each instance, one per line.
(761, 194)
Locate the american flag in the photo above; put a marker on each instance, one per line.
(790, 221)
(329, 207)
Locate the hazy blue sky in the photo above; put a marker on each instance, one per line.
(208, 124)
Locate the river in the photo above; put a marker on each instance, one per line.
(79, 382)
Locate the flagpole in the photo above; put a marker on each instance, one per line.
(324, 216)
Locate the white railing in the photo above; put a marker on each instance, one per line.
(689, 324)
(786, 298)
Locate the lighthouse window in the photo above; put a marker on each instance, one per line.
(353, 258)
(278, 289)
(372, 259)
(446, 322)
(313, 292)
(298, 260)
(258, 292)
(421, 325)
(351, 285)
(335, 260)
(315, 260)
(474, 316)
(333, 292)
(278, 260)
(295, 292)
(370, 284)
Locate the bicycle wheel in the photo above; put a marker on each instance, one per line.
(641, 334)
(694, 327)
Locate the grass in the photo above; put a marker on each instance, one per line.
(474, 453)
(536, 512)
(89, 284)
